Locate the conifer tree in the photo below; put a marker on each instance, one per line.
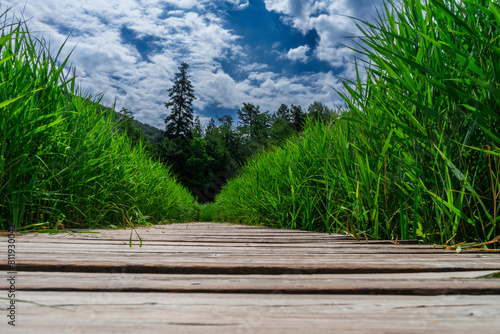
(180, 120)
(248, 114)
(298, 118)
(284, 113)
(248, 118)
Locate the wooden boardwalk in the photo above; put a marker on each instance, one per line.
(221, 278)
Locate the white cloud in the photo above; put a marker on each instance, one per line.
(247, 68)
(183, 30)
(329, 18)
(299, 53)
(106, 62)
(264, 88)
(239, 4)
(217, 88)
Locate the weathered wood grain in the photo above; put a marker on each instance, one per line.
(389, 284)
(114, 312)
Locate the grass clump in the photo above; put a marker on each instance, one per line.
(209, 212)
(62, 161)
(416, 152)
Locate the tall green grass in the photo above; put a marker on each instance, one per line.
(62, 161)
(208, 212)
(416, 153)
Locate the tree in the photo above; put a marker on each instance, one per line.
(180, 120)
(284, 113)
(211, 126)
(280, 130)
(255, 125)
(197, 129)
(248, 116)
(281, 125)
(261, 128)
(196, 175)
(226, 122)
(298, 118)
(318, 112)
(229, 138)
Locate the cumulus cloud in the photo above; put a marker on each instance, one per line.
(264, 88)
(109, 61)
(108, 39)
(331, 21)
(299, 53)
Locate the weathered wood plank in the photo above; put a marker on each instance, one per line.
(415, 284)
(230, 251)
(360, 248)
(112, 312)
(245, 267)
(272, 252)
(335, 260)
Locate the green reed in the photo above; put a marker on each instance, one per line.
(415, 154)
(62, 161)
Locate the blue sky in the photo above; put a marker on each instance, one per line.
(265, 52)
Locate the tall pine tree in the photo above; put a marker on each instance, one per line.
(180, 120)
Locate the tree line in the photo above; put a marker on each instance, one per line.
(206, 157)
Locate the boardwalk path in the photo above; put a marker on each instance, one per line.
(220, 278)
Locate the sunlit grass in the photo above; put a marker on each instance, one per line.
(63, 164)
(416, 152)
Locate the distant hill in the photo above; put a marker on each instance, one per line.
(153, 134)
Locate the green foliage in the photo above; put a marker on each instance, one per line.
(416, 153)
(198, 164)
(284, 113)
(298, 118)
(250, 122)
(280, 131)
(318, 112)
(209, 212)
(62, 161)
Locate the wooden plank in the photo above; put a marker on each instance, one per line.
(283, 252)
(218, 257)
(290, 247)
(182, 250)
(113, 312)
(230, 252)
(414, 284)
(244, 267)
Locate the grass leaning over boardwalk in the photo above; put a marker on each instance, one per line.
(416, 153)
(62, 161)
